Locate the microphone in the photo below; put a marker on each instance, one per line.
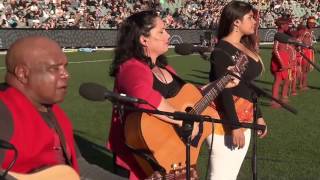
(284, 38)
(96, 92)
(186, 49)
(6, 145)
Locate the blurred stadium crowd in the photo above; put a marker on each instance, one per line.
(108, 14)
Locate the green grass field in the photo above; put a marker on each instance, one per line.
(290, 151)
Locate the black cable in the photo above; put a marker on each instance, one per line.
(9, 146)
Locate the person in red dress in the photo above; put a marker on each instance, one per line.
(293, 63)
(297, 70)
(280, 64)
(307, 38)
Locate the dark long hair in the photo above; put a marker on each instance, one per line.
(128, 44)
(231, 12)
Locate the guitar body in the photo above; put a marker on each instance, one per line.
(144, 131)
(61, 172)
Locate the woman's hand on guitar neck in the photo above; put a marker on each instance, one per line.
(234, 81)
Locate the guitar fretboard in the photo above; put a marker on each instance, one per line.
(215, 88)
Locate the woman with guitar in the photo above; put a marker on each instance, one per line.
(236, 35)
(141, 70)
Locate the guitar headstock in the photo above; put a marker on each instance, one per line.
(241, 61)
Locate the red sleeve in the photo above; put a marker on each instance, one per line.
(136, 79)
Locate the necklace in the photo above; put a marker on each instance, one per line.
(159, 74)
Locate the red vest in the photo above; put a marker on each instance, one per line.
(32, 137)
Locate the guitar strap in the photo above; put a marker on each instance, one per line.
(58, 130)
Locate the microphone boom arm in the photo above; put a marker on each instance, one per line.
(261, 92)
(308, 60)
(177, 115)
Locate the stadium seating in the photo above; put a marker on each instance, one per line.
(108, 14)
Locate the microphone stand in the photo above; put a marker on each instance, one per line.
(308, 60)
(187, 126)
(254, 146)
(120, 108)
(257, 92)
(260, 92)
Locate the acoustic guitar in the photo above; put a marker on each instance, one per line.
(57, 172)
(160, 141)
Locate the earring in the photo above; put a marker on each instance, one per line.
(236, 29)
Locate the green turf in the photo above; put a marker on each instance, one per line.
(290, 151)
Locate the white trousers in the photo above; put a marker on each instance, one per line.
(225, 161)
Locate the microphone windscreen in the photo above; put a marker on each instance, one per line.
(282, 37)
(184, 49)
(93, 91)
(6, 145)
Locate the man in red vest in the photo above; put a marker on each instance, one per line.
(30, 119)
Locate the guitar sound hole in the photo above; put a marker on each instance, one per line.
(189, 109)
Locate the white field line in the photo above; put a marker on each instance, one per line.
(95, 61)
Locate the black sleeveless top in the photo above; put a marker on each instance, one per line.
(168, 90)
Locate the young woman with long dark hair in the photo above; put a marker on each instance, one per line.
(236, 35)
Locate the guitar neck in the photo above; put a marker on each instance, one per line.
(214, 89)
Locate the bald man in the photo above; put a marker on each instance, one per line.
(30, 119)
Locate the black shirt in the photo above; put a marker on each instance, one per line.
(168, 90)
(220, 59)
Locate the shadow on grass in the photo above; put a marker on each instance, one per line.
(265, 102)
(198, 76)
(266, 90)
(94, 153)
(281, 160)
(263, 82)
(194, 82)
(98, 155)
(199, 71)
(314, 87)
